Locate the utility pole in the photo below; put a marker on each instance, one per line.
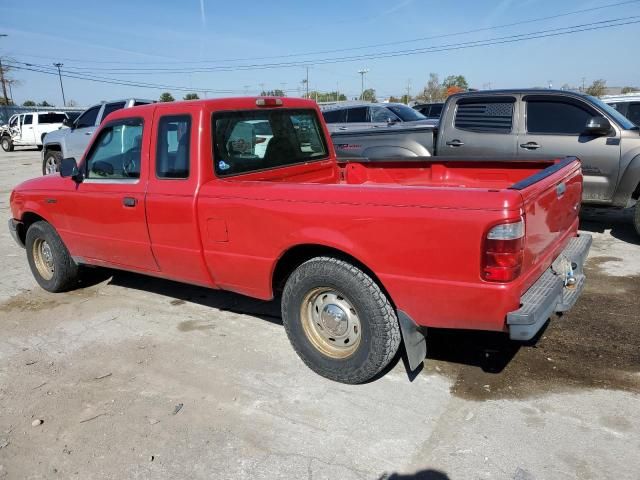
(262, 92)
(4, 86)
(408, 91)
(362, 72)
(64, 102)
(307, 82)
(583, 80)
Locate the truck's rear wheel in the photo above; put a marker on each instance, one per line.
(51, 162)
(7, 144)
(49, 260)
(339, 321)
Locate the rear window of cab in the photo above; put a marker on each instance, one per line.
(253, 140)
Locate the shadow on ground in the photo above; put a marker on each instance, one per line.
(421, 475)
(620, 221)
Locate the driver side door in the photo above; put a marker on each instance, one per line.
(107, 220)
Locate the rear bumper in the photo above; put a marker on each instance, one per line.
(13, 229)
(549, 294)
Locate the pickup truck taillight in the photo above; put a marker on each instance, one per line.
(503, 252)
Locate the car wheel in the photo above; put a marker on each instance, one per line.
(339, 321)
(636, 217)
(49, 259)
(51, 162)
(7, 144)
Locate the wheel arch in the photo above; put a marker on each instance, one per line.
(52, 147)
(28, 218)
(296, 255)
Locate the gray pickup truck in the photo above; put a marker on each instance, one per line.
(72, 141)
(521, 124)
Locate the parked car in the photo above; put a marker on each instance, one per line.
(28, 129)
(432, 111)
(72, 142)
(627, 104)
(341, 117)
(486, 245)
(522, 125)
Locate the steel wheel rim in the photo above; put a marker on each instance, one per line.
(43, 258)
(331, 322)
(51, 166)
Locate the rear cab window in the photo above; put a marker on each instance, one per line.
(173, 147)
(252, 140)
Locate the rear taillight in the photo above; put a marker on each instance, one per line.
(502, 255)
(269, 102)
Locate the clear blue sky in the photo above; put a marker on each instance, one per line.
(166, 34)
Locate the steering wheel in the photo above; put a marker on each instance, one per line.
(129, 164)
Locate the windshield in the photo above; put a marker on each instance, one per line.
(407, 114)
(620, 119)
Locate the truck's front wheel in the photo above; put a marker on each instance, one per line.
(339, 321)
(49, 259)
(7, 144)
(51, 162)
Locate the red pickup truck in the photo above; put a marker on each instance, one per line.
(364, 254)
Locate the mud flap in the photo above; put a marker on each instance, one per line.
(415, 343)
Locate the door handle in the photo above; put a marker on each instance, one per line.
(88, 133)
(342, 128)
(455, 143)
(530, 145)
(129, 202)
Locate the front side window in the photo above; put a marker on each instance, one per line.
(115, 154)
(357, 115)
(28, 120)
(51, 118)
(436, 110)
(110, 108)
(246, 141)
(382, 114)
(172, 154)
(88, 118)
(557, 117)
(485, 116)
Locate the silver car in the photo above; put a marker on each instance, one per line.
(356, 116)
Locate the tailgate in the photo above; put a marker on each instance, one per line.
(551, 206)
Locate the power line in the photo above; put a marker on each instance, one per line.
(554, 32)
(362, 47)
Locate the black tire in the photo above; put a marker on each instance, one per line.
(636, 217)
(7, 143)
(64, 274)
(51, 157)
(379, 329)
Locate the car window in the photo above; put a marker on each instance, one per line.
(111, 107)
(436, 111)
(382, 114)
(28, 120)
(172, 154)
(238, 147)
(357, 114)
(633, 112)
(88, 118)
(557, 117)
(335, 116)
(484, 116)
(407, 114)
(51, 118)
(115, 153)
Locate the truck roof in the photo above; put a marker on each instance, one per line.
(520, 91)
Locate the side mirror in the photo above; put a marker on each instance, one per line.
(69, 168)
(597, 126)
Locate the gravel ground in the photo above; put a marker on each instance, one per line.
(132, 377)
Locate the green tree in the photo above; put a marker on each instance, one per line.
(597, 88)
(433, 91)
(394, 99)
(273, 93)
(630, 89)
(29, 103)
(405, 99)
(166, 97)
(44, 103)
(326, 96)
(191, 96)
(455, 81)
(369, 95)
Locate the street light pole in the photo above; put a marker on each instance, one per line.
(64, 102)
